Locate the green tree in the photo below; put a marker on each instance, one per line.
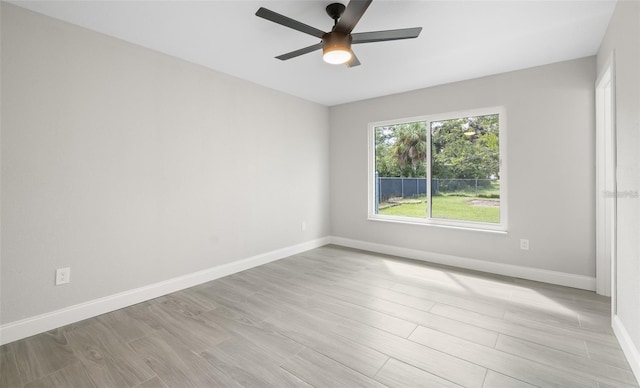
(410, 148)
(386, 163)
(465, 148)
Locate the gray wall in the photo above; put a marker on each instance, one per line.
(623, 38)
(550, 131)
(112, 157)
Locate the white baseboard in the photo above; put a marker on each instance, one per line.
(38, 324)
(541, 275)
(34, 325)
(626, 343)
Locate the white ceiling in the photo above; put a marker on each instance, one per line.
(460, 39)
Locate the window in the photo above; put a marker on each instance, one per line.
(442, 170)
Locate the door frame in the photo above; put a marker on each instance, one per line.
(606, 185)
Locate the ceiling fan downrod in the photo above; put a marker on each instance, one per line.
(335, 10)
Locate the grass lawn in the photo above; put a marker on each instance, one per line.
(448, 207)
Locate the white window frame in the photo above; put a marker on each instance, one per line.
(500, 227)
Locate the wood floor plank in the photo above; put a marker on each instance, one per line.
(238, 284)
(321, 371)
(280, 347)
(596, 307)
(607, 354)
(459, 290)
(562, 360)
(42, 354)
(249, 365)
(71, 376)
(142, 315)
(356, 312)
(355, 295)
(236, 302)
(258, 275)
(463, 330)
(270, 283)
(382, 321)
(540, 296)
(316, 335)
(553, 290)
(109, 361)
(9, 375)
(307, 260)
(219, 292)
(446, 279)
(617, 385)
(176, 364)
(153, 382)
(399, 374)
(444, 365)
(365, 293)
(197, 333)
(126, 325)
(274, 296)
(498, 380)
(330, 268)
(595, 321)
(565, 317)
(188, 302)
(556, 341)
(279, 271)
(585, 334)
(510, 365)
(352, 259)
(469, 303)
(359, 276)
(453, 282)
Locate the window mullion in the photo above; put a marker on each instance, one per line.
(428, 168)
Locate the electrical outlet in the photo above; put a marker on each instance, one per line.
(303, 226)
(524, 244)
(63, 276)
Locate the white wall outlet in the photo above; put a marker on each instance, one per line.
(303, 226)
(63, 276)
(524, 244)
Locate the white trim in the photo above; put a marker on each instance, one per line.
(410, 221)
(606, 201)
(34, 325)
(541, 275)
(626, 343)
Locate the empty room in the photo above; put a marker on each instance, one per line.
(320, 194)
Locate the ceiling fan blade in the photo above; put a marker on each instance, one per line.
(288, 22)
(351, 16)
(380, 36)
(299, 52)
(354, 60)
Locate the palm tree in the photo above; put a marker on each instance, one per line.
(410, 147)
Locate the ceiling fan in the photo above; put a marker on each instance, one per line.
(336, 44)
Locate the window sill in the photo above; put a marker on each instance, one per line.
(469, 226)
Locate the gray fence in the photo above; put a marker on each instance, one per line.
(387, 187)
(400, 187)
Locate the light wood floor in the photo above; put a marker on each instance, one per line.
(334, 317)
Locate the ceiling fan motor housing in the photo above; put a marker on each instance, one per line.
(336, 40)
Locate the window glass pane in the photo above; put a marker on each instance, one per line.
(400, 165)
(465, 169)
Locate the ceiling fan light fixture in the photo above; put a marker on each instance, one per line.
(336, 56)
(336, 48)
